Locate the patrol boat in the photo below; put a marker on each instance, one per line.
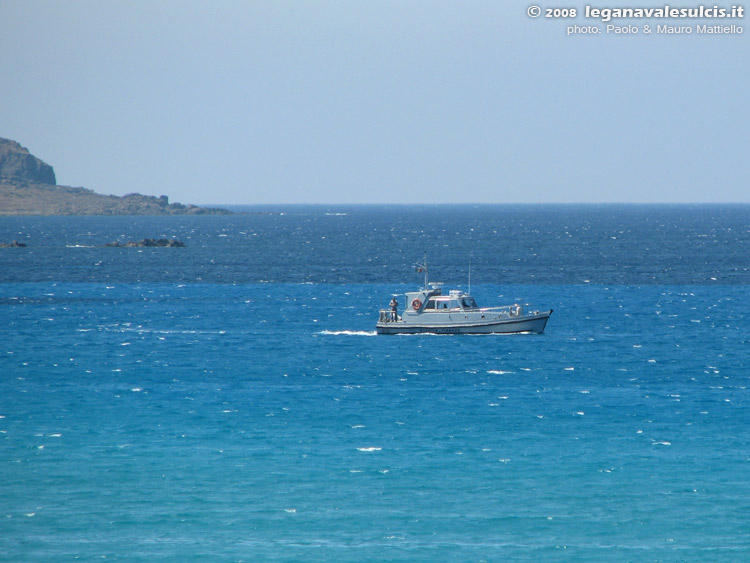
(430, 310)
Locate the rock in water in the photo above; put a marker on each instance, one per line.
(149, 242)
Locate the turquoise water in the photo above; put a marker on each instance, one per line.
(261, 420)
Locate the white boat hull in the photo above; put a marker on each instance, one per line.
(528, 323)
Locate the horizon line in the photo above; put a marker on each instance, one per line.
(423, 204)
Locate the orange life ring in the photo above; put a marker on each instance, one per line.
(416, 304)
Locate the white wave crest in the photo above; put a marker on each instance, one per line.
(349, 332)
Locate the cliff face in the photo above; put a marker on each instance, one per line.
(18, 165)
(28, 187)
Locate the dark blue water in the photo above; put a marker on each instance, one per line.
(538, 244)
(229, 401)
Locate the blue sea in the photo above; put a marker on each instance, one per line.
(230, 401)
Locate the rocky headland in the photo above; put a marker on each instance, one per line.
(28, 187)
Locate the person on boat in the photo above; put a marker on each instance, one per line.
(394, 309)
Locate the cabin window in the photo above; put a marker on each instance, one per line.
(469, 303)
(430, 304)
(455, 304)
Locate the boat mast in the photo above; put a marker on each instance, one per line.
(423, 268)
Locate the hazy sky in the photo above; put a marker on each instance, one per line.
(359, 101)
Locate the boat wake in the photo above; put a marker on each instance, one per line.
(144, 330)
(349, 332)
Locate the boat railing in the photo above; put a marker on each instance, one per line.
(508, 311)
(388, 316)
(514, 310)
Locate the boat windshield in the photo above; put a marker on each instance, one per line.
(444, 303)
(439, 303)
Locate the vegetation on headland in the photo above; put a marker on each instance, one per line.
(28, 187)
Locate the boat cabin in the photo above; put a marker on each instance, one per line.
(442, 302)
(433, 300)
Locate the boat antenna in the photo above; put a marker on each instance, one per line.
(423, 268)
(469, 292)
